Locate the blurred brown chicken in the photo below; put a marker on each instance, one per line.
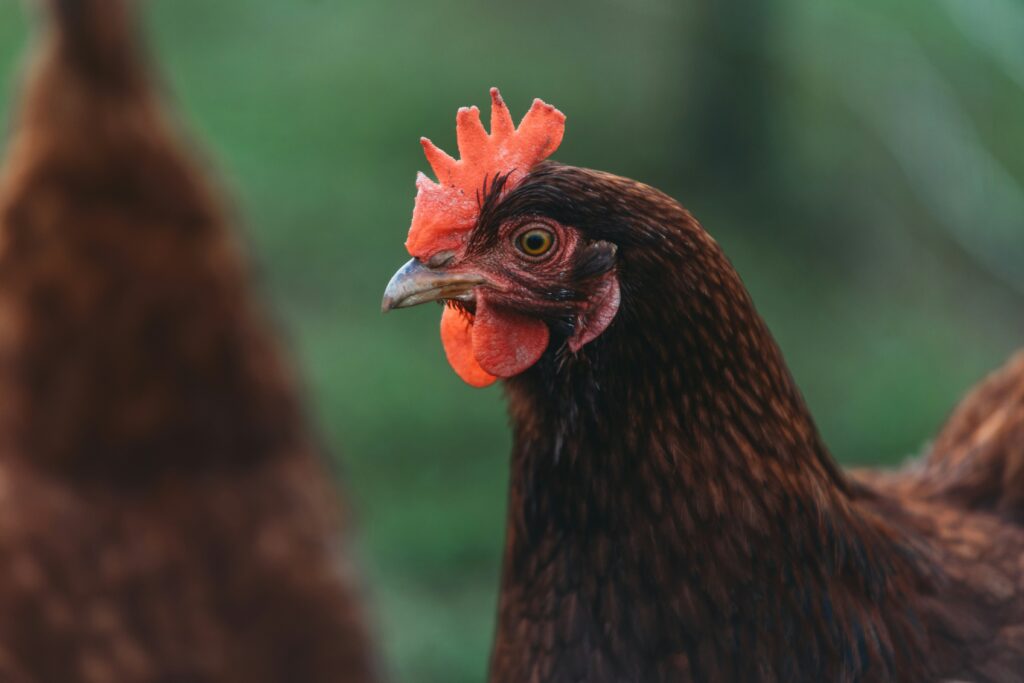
(674, 515)
(164, 517)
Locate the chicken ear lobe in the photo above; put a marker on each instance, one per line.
(598, 315)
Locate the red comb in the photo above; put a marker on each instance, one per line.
(446, 210)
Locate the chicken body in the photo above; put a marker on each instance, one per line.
(164, 515)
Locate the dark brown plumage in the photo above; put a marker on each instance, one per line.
(164, 516)
(674, 514)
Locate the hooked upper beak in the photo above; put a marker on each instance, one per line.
(416, 283)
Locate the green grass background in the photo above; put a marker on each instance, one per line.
(862, 162)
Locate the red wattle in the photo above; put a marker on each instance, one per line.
(457, 338)
(496, 342)
(506, 343)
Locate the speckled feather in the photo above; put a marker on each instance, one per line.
(675, 516)
(164, 516)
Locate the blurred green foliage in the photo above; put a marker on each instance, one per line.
(861, 161)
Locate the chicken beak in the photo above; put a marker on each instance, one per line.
(416, 283)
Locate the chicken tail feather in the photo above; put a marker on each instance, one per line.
(977, 459)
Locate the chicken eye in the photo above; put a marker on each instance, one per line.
(535, 242)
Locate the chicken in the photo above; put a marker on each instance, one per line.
(164, 514)
(674, 514)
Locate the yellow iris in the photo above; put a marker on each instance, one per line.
(535, 242)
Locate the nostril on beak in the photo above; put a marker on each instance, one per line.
(440, 259)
